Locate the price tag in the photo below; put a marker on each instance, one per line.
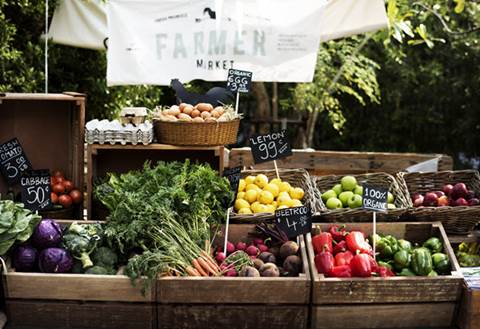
(13, 161)
(294, 221)
(270, 147)
(36, 189)
(239, 81)
(233, 176)
(374, 198)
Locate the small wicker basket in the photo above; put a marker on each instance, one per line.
(345, 215)
(296, 178)
(196, 133)
(455, 220)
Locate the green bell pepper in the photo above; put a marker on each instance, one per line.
(433, 273)
(441, 263)
(406, 272)
(387, 247)
(385, 264)
(434, 244)
(405, 245)
(421, 261)
(402, 259)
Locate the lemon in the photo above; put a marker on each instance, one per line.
(285, 186)
(241, 185)
(241, 195)
(296, 193)
(276, 181)
(258, 208)
(253, 205)
(251, 195)
(270, 208)
(261, 180)
(275, 204)
(249, 180)
(252, 187)
(272, 188)
(245, 211)
(283, 194)
(296, 203)
(240, 203)
(284, 200)
(282, 207)
(266, 197)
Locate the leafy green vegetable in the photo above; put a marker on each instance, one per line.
(16, 224)
(82, 240)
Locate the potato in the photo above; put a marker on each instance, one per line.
(215, 114)
(204, 107)
(198, 119)
(195, 113)
(223, 118)
(169, 117)
(219, 109)
(184, 117)
(211, 119)
(174, 110)
(183, 105)
(206, 115)
(188, 109)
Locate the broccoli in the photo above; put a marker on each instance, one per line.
(82, 240)
(105, 256)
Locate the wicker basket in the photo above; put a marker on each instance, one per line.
(343, 215)
(455, 220)
(296, 178)
(196, 133)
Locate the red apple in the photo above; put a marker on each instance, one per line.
(473, 202)
(461, 202)
(442, 201)
(470, 194)
(447, 189)
(459, 191)
(439, 193)
(417, 200)
(430, 200)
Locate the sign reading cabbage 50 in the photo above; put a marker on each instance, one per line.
(151, 41)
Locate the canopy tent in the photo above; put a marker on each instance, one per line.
(136, 32)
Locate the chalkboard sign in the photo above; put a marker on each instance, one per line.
(239, 81)
(36, 189)
(233, 176)
(294, 221)
(270, 147)
(374, 198)
(13, 161)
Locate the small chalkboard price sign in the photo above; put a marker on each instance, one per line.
(239, 81)
(36, 189)
(233, 176)
(270, 147)
(13, 161)
(374, 198)
(294, 221)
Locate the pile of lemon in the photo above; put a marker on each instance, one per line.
(256, 194)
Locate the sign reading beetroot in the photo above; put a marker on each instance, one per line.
(294, 221)
(270, 147)
(374, 198)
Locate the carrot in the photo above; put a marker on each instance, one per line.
(191, 271)
(198, 267)
(206, 266)
(209, 259)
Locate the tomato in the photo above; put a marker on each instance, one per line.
(54, 198)
(58, 188)
(76, 196)
(53, 180)
(59, 180)
(58, 173)
(65, 201)
(68, 185)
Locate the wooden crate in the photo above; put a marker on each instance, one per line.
(340, 163)
(469, 315)
(396, 302)
(224, 301)
(50, 128)
(102, 159)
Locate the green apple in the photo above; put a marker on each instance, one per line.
(355, 201)
(391, 206)
(344, 197)
(358, 190)
(348, 183)
(390, 198)
(329, 194)
(338, 189)
(334, 203)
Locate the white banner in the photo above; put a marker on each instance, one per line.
(152, 42)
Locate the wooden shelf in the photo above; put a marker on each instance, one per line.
(153, 147)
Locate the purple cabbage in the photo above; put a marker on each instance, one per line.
(47, 234)
(25, 258)
(55, 260)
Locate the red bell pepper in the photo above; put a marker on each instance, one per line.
(342, 271)
(384, 272)
(343, 258)
(340, 247)
(356, 241)
(324, 262)
(338, 232)
(321, 241)
(361, 265)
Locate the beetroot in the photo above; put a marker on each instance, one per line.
(288, 248)
(267, 257)
(275, 251)
(231, 272)
(257, 241)
(241, 246)
(249, 271)
(258, 263)
(230, 248)
(269, 270)
(262, 247)
(292, 265)
(252, 250)
(220, 257)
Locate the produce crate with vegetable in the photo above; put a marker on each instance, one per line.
(451, 197)
(342, 196)
(414, 282)
(50, 129)
(261, 192)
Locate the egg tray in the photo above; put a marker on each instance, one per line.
(119, 137)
